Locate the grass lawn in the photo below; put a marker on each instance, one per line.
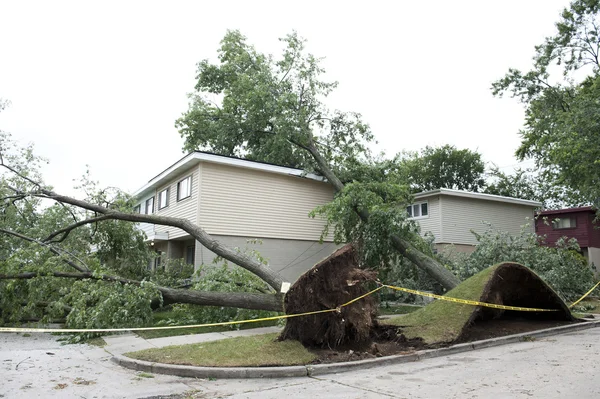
(442, 321)
(258, 350)
(593, 302)
(392, 309)
(166, 315)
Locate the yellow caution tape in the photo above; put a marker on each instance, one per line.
(584, 295)
(289, 316)
(469, 302)
(226, 323)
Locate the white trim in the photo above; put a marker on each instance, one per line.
(195, 157)
(480, 196)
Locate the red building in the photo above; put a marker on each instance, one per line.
(578, 223)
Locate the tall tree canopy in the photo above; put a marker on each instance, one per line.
(272, 110)
(562, 125)
(260, 108)
(443, 167)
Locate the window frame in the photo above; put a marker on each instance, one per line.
(572, 223)
(420, 207)
(168, 194)
(189, 188)
(146, 206)
(137, 208)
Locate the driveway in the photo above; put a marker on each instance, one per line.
(562, 366)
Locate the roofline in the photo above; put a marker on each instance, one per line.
(480, 196)
(568, 210)
(200, 156)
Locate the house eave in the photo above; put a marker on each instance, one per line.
(479, 196)
(195, 158)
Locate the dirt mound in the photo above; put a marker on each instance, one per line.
(513, 284)
(330, 283)
(504, 284)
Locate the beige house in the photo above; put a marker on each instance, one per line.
(235, 201)
(451, 215)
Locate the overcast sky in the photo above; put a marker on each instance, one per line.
(101, 83)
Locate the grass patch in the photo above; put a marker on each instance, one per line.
(442, 321)
(169, 315)
(591, 305)
(392, 309)
(258, 350)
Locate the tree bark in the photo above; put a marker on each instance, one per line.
(428, 264)
(271, 302)
(264, 272)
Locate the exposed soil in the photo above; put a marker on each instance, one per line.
(501, 327)
(353, 333)
(385, 341)
(333, 281)
(388, 342)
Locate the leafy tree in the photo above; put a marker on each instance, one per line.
(561, 131)
(562, 267)
(443, 167)
(532, 185)
(267, 109)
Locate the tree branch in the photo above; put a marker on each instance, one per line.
(51, 248)
(273, 302)
(65, 231)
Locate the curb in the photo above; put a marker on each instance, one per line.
(332, 368)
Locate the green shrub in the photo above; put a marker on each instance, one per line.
(562, 267)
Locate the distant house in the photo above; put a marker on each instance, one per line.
(578, 223)
(451, 215)
(236, 200)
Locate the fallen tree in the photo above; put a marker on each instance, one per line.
(281, 120)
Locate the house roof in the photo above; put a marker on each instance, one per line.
(196, 157)
(568, 210)
(479, 196)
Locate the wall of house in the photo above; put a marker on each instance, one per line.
(251, 203)
(147, 228)
(461, 215)
(432, 223)
(186, 208)
(582, 231)
(594, 259)
(291, 258)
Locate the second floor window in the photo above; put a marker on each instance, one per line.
(184, 188)
(564, 223)
(150, 206)
(137, 209)
(418, 210)
(163, 199)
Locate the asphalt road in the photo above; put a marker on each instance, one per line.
(562, 366)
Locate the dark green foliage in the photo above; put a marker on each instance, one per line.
(443, 167)
(261, 108)
(563, 268)
(562, 126)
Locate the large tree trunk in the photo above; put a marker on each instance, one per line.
(437, 271)
(272, 302)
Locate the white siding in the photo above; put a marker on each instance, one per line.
(432, 223)
(461, 215)
(186, 208)
(291, 258)
(145, 227)
(250, 203)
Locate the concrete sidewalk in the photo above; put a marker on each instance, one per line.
(130, 342)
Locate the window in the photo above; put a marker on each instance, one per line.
(418, 210)
(137, 208)
(189, 254)
(184, 188)
(564, 223)
(150, 206)
(163, 198)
